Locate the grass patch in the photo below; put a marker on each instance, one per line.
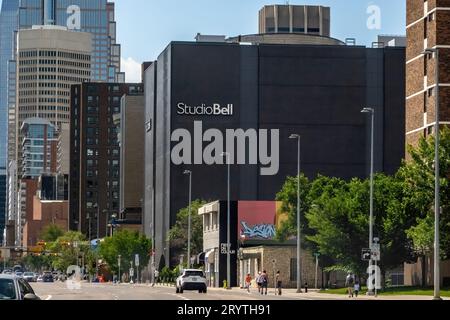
(400, 291)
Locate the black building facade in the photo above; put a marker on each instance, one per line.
(317, 92)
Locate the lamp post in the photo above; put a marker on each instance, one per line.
(189, 173)
(299, 241)
(437, 191)
(119, 263)
(228, 160)
(371, 111)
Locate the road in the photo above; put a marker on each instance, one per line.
(59, 291)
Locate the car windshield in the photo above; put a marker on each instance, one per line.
(194, 274)
(28, 274)
(7, 291)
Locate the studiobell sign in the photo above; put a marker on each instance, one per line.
(215, 109)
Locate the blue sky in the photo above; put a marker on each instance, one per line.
(145, 27)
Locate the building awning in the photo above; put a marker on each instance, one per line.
(210, 256)
(201, 258)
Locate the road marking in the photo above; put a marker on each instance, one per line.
(180, 297)
(48, 298)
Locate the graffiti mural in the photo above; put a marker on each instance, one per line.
(259, 220)
(261, 231)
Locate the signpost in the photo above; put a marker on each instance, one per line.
(136, 262)
(366, 254)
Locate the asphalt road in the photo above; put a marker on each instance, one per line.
(59, 291)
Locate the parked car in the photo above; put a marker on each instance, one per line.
(192, 280)
(30, 276)
(19, 274)
(7, 271)
(14, 288)
(47, 277)
(40, 278)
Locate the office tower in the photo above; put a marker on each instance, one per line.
(94, 16)
(50, 60)
(428, 26)
(8, 23)
(95, 155)
(295, 19)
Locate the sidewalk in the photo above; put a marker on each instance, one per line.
(314, 294)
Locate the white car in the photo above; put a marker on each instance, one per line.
(14, 288)
(192, 280)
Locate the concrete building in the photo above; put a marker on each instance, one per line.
(285, 38)
(132, 156)
(427, 27)
(63, 150)
(50, 59)
(95, 155)
(313, 90)
(295, 19)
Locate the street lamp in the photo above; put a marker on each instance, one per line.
(299, 241)
(119, 263)
(189, 173)
(437, 207)
(228, 160)
(371, 111)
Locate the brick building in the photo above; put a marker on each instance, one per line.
(427, 27)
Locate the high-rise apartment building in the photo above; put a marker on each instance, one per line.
(8, 23)
(295, 19)
(428, 26)
(95, 155)
(39, 148)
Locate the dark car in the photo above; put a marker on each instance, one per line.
(48, 277)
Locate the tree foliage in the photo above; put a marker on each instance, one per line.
(51, 233)
(178, 234)
(126, 244)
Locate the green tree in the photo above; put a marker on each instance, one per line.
(126, 244)
(178, 234)
(288, 197)
(51, 233)
(419, 187)
(67, 249)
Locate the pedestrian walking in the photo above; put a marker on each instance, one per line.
(248, 282)
(306, 287)
(279, 284)
(350, 283)
(259, 281)
(357, 288)
(264, 283)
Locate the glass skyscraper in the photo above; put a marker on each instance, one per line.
(93, 16)
(8, 24)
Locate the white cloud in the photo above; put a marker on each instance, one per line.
(132, 69)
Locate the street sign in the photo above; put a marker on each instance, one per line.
(376, 252)
(224, 249)
(131, 272)
(136, 260)
(366, 254)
